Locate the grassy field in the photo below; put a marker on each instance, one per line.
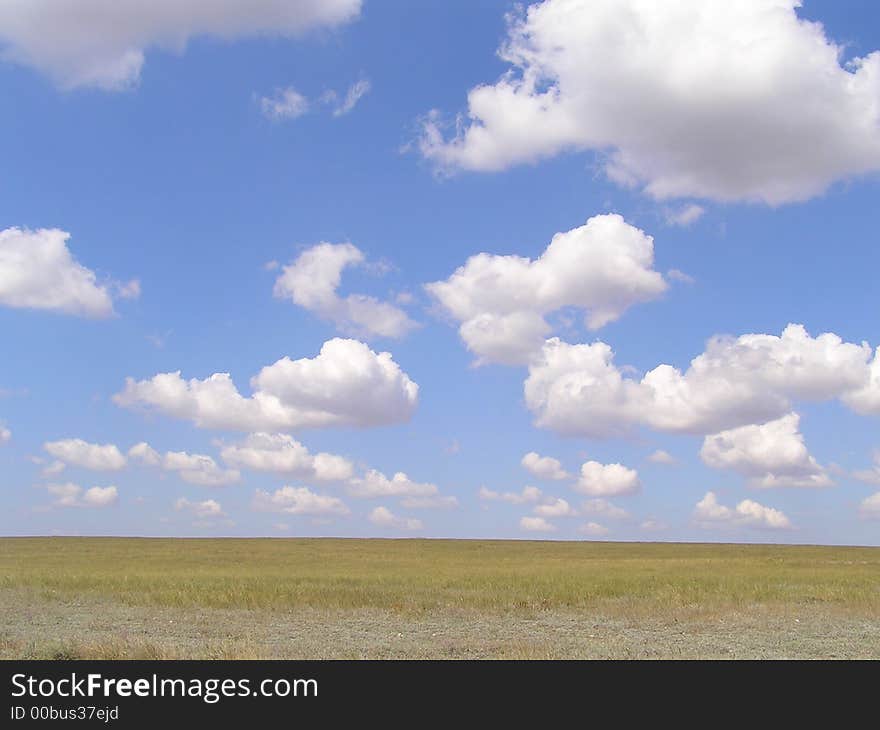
(311, 598)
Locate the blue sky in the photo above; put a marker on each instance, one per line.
(752, 176)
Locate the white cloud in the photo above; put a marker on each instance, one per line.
(607, 480)
(651, 525)
(543, 467)
(73, 495)
(5, 434)
(605, 508)
(145, 454)
(678, 275)
(772, 454)
(528, 494)
(205, 510)
(298, 501)
(872, 475)
(685, 215)
(311, 281)
(347, 384)
(384, 517)
(870, 507)
(100, 496)
(53, 469)
(285, 103)
(662, 457)
(593, 529)
(375, 484)
(38, 271)
(578, 390)
(281, 454)
(536, 524)
(97, 457)
(700, 98)
(555, 507)
(199, 469)
(355, 93)
(710, 513)
(102, 43)
(603, 267)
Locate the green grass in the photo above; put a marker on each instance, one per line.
(418, 576)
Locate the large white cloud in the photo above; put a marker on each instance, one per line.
(771, 454)
(298, 501)
(37, 271)
(607, 480)
(578, 390)
(311, 281)
(346, 384)
(698, 98)
(709, 512)
(98, 457)
(603, 267)
(103, 42)
(281, 454)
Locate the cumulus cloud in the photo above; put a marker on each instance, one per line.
(772, 454)
(555, 507)
(748, 513)
(73, 495)
(528, 494)
(384, 517)
(699, 99)
(375, 484)
(661, 457)
(536, 524)
(543, 467)
(144, 454)
(298, 501)
(5, 434)
(38, 271)
(97, 457)
(199, 469)
(578, 390)
(281, 454)
(604, 508)
(312, 280)
(870, 507)
(347, 384)
(607, 480)
(603, 267)
(593, 529)
(102, 43)
(285, 103)
(207, 509)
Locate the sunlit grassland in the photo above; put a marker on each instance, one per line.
(423, 576)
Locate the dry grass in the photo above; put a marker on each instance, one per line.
(157, 598)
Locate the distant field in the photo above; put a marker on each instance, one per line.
(314, 598)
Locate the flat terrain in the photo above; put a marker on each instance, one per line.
(328, 598)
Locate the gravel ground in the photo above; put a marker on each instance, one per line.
(33, 626)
